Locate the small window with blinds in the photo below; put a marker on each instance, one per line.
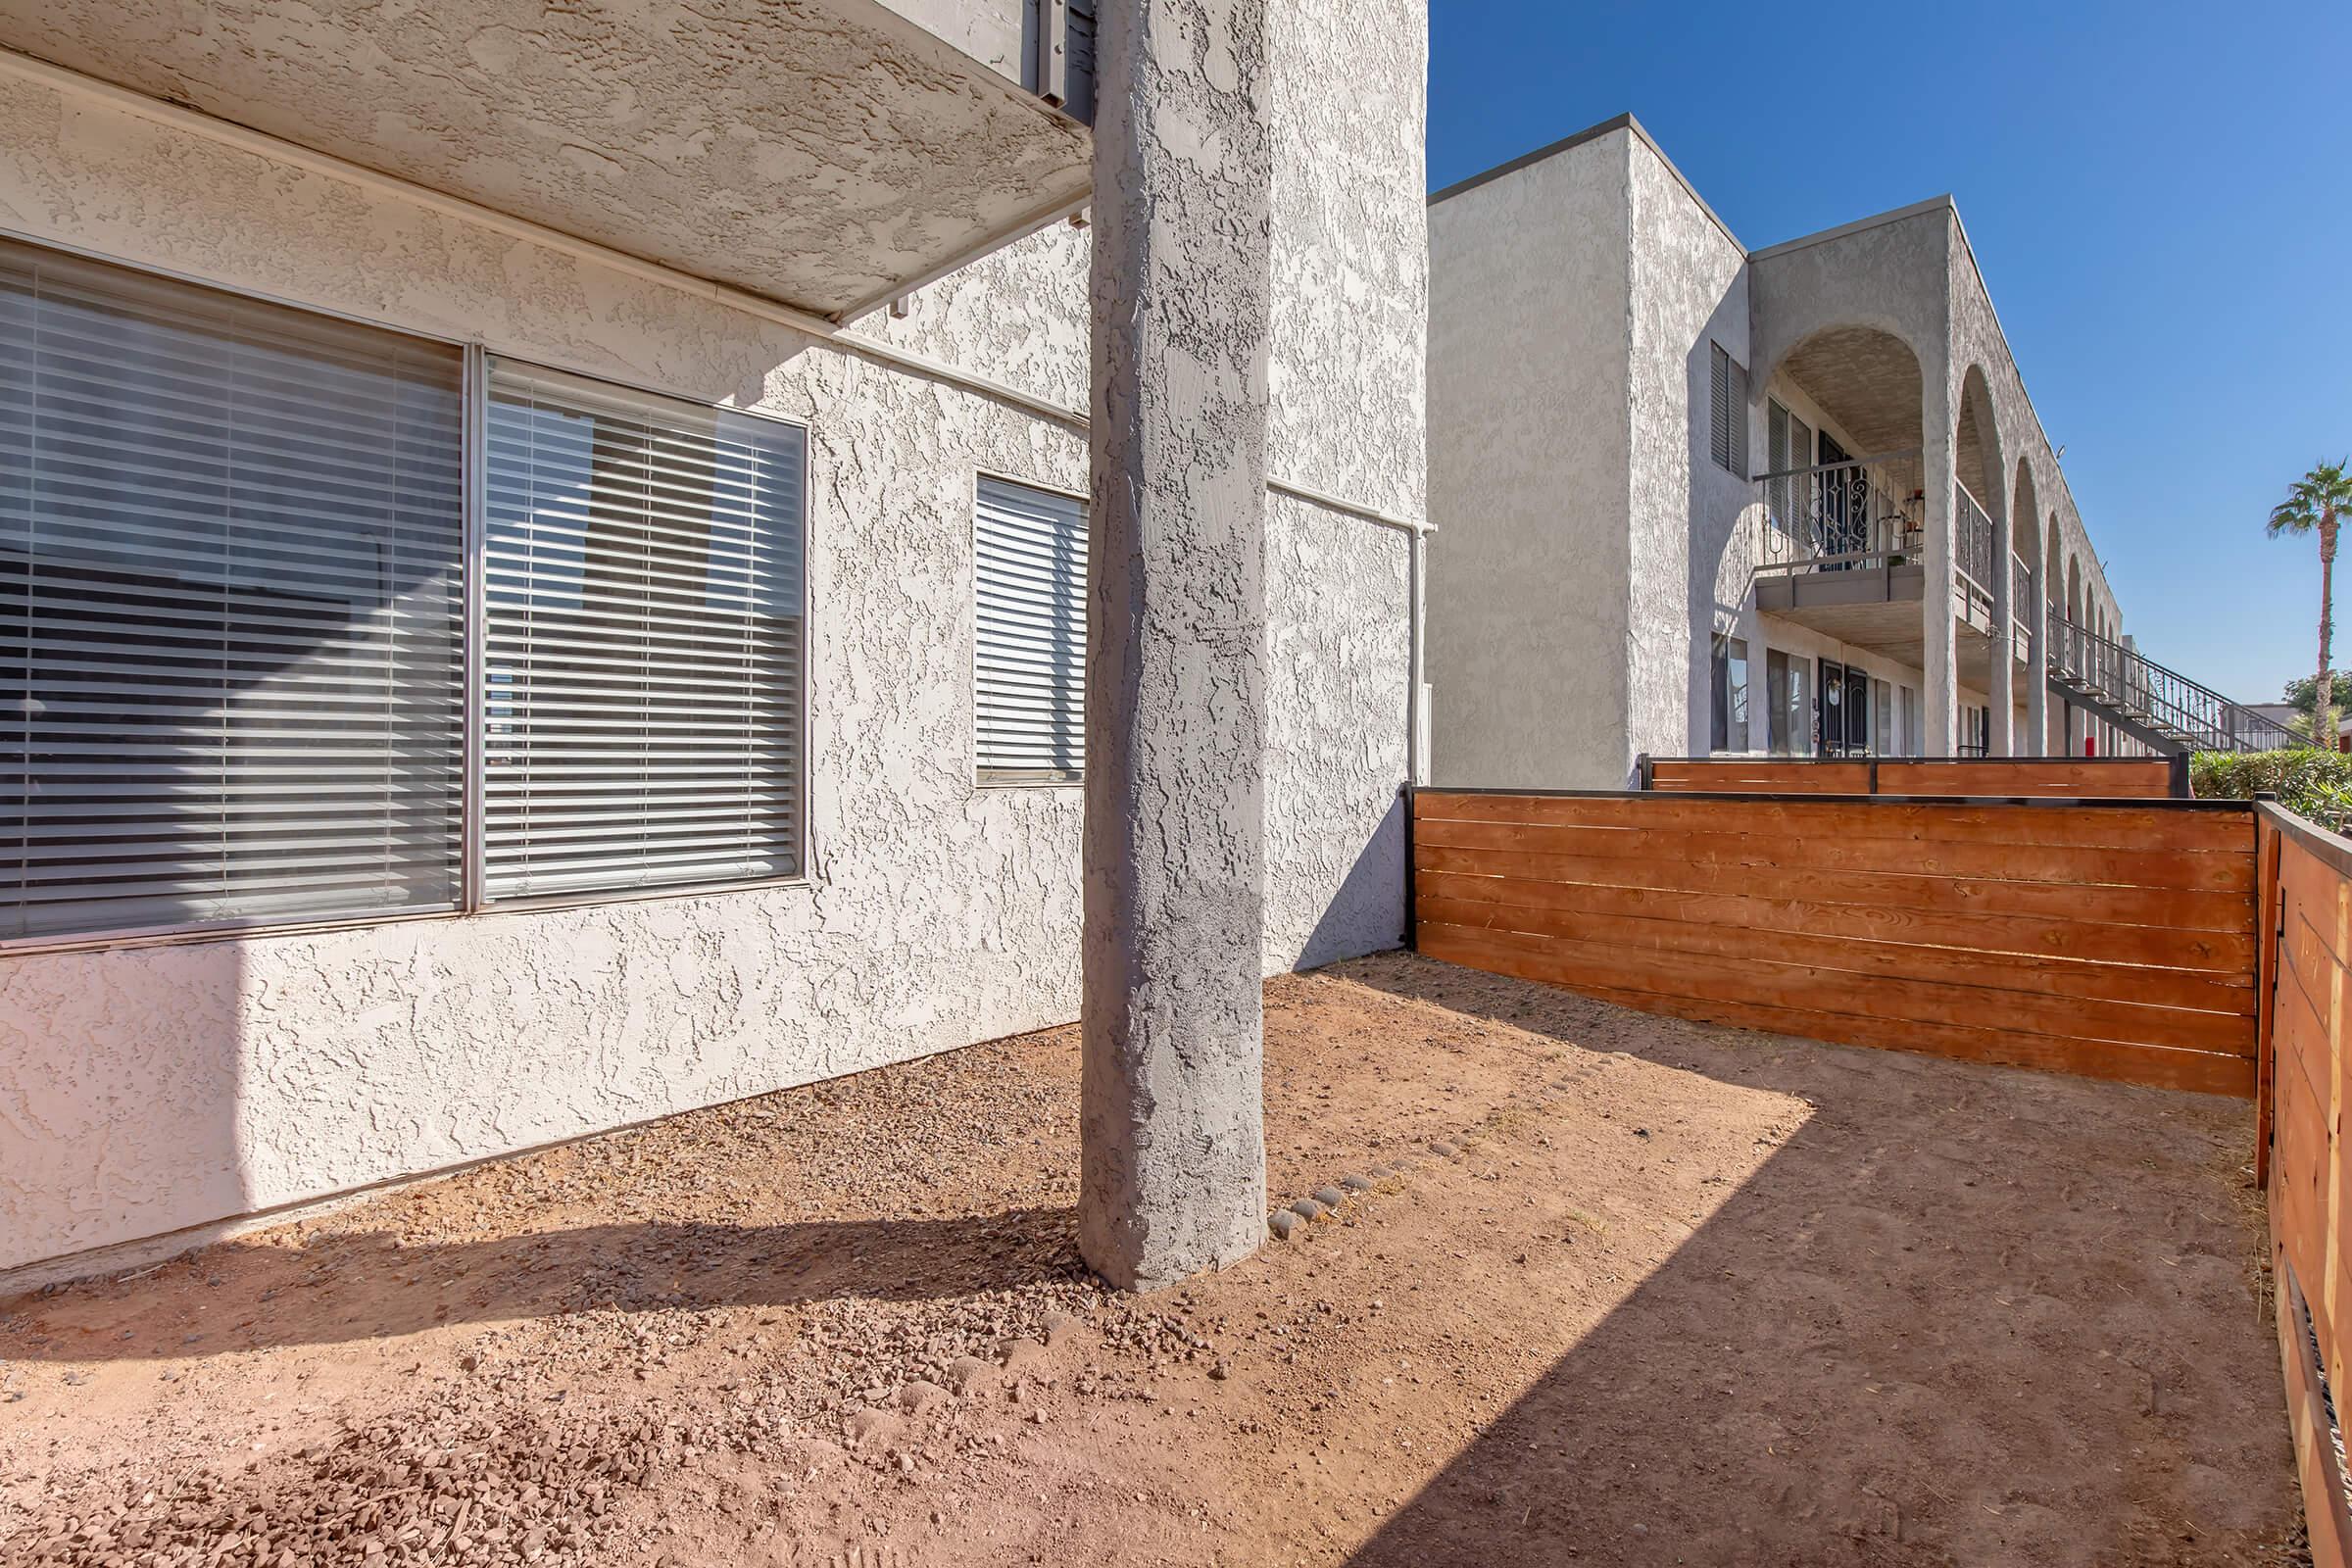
(643, 660)
(1029, 634)
(231, 538)
(1726, 409)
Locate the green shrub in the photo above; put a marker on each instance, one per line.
(2311, 783)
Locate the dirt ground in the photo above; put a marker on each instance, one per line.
(1676, 1295)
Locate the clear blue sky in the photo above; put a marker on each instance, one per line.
(2160, 196)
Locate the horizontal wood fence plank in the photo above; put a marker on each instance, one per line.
(1811, 988)
(2329, 1533)
(2134, 827)
(2218, 957)
(1726, 852)
(1794, 777)
(2148, 780)
(2115, 941)
(2229, 993)
(2178, 908)
(2101, 778)
(2300, 1207)
(2314, 894)
(2301, 1037)
(2204, 1072)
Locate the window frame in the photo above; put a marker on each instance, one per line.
(982, 778)
(473, 470)
(1722, 709)
(477, 520)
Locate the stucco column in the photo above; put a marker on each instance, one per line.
(1173, 1178)
(1939, 702)
(2037, 655)
(2000, 662)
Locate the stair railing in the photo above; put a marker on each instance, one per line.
(2164, 698)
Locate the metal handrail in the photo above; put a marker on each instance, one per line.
(1835, 516)
(2166, 698)
(2021, 594)
(1972, 555)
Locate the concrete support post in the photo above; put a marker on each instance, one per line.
(2000, 661)
(1939, 717)
(1171, 1116)
(2038, 658)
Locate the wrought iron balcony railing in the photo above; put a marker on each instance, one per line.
(2021, 594)
(1835, 516)
(1974, 555)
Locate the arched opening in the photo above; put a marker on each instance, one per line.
(2027, 593)
(1842, 424)
(1980, 545)
(1843, 543)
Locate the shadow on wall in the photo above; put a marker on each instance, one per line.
(1715, 503)
(1367, 913)
(122, 1077)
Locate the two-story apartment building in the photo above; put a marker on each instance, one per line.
(544, 561)
(1695, 498)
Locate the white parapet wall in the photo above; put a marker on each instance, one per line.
(158, 1091)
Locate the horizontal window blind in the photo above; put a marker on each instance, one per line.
(643, 658)
(1727, 411)
(1029, 620)
(230, 543)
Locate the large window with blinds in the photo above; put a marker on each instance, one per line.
(231, 540)
(642, 641)
(262, 626)
(1029, 633)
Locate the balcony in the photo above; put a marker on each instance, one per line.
(1843, 549)
(826, 156)
(1843, 554)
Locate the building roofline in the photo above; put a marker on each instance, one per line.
(1862, 224)
(1935, 204)
(1945, 204)
(1624, 122)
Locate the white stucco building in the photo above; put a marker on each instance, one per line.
(1695, 498)
(519, 634)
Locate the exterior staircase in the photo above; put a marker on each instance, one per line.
(2161, 707)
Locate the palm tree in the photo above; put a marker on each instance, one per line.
(2314, 503)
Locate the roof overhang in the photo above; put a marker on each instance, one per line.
(824, 154)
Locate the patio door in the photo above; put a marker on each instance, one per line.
(1845, 710)
(1830, 735)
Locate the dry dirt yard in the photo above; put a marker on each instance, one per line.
(1642, 1291)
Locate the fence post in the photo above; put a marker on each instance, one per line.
(2179, 785)
(1412, 874)
(2269, 904)
(1641, 772)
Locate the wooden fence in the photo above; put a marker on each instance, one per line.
(2112, 940)
(2305, 875)
(2141, 778)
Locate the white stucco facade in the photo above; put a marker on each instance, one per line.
(149, 1088)
(1594, 545)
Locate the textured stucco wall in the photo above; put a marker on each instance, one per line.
(144, 1090)
(1528, 467)
(1339, 666)
(1692, 559)
(1346, 375)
